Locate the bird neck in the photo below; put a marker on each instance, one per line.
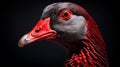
(86, 52)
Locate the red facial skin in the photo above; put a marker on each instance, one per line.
(41, 31)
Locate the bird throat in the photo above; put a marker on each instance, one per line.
(77, 55)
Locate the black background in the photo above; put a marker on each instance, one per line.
(19, 17)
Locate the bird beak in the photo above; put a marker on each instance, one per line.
(41, 31)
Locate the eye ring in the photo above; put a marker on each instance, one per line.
(65, 15)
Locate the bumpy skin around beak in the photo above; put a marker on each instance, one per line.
(41, 31)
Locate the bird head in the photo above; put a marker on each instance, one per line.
(65, 22)
(71, 26)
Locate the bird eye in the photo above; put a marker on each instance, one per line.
(65, 15)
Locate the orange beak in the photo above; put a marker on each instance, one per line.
(41, 31)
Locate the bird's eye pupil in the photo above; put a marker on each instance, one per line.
(65, 14)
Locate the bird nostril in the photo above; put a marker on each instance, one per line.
(38, 29)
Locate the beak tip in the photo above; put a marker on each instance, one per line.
(20, 44)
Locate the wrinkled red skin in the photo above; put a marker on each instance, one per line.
(41, 29)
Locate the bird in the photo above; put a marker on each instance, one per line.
(70, 25)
